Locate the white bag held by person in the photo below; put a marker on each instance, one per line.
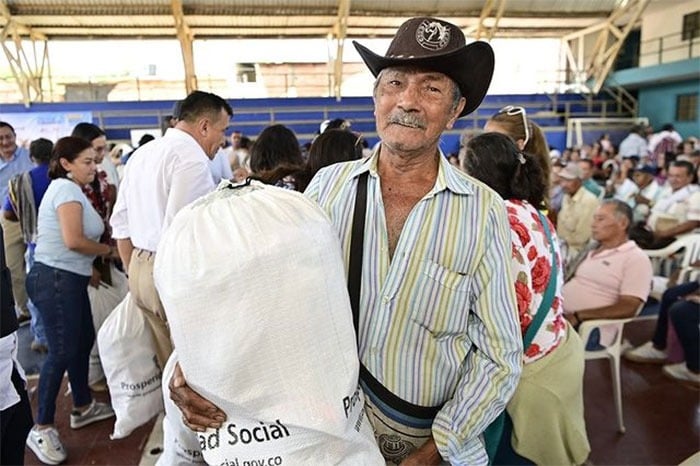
(129, 359)
(180, 444)
(253, 283)
(102, 301)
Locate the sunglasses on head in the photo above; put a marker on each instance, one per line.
(515, 110)
(358, 141)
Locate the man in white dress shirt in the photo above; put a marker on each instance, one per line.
(635, 144)
(161, 178)
(677, 210)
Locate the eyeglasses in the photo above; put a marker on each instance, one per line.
(514, 110)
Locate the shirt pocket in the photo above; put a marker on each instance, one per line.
(442, 304)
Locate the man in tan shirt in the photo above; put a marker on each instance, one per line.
(576, 215)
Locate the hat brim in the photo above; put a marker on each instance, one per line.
(471, 67)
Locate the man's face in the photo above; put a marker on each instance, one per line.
(213, 133)
(586, 171)
(99, 145)
(678, 177)
(236, 139)
(8, 141)
(642, 179)
(554, 175)
(412, 108)
(606, 224)
(570, 186)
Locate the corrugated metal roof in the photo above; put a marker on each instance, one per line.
(293, 18)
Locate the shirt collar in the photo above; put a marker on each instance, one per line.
(579, 194)
(447, 177)
(626, 246)
(177, 133)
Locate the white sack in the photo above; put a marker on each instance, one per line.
(180, 444)
(253, 284)
(129, 359)
(102, 301)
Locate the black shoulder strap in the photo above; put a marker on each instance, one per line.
(369, 382)
(356, 249)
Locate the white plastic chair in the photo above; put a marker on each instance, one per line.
(611, 352)
(663, 260)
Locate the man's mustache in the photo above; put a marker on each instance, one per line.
(407, 119)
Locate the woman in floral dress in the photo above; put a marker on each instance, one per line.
(547, 409)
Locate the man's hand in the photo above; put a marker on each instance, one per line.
(573, 320)
(426, 455)
(197, 413)
(639, 199)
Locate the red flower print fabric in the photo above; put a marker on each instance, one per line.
(532, 269)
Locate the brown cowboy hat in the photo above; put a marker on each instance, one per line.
(437, 45)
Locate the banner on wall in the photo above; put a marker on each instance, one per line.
(49, 125)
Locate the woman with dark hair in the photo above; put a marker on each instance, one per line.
(98, 139)
(67, 242)
(551, 386)
(331, 146)
(528, 136)
(102, 193)
(108, 284)
(276, 157)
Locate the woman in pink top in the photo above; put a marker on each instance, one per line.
(547, 408)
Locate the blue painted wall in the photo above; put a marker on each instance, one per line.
(658, 103)
(658, 89)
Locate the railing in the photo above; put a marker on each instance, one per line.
(668, 48)
(305, 119)
(590, 106)
(304, 116)
(626, 102)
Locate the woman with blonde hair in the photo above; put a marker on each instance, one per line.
(528, 136)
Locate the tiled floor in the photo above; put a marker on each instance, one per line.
(662, 419)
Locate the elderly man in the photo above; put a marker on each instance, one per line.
(576, 214)
(587, 167)
(648, 192)
(614, 279)
(438, 335)
(13, 161)
(161, 178)
(677, 210)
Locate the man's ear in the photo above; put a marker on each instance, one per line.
(627, 224)
(203, 126)
(457, 111)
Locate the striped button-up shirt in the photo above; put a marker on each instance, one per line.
(438, 321)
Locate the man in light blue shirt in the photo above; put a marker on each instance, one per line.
(13, 160)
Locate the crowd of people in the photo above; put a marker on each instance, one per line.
(458, 348)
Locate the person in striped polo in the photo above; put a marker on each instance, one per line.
(438, 332)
